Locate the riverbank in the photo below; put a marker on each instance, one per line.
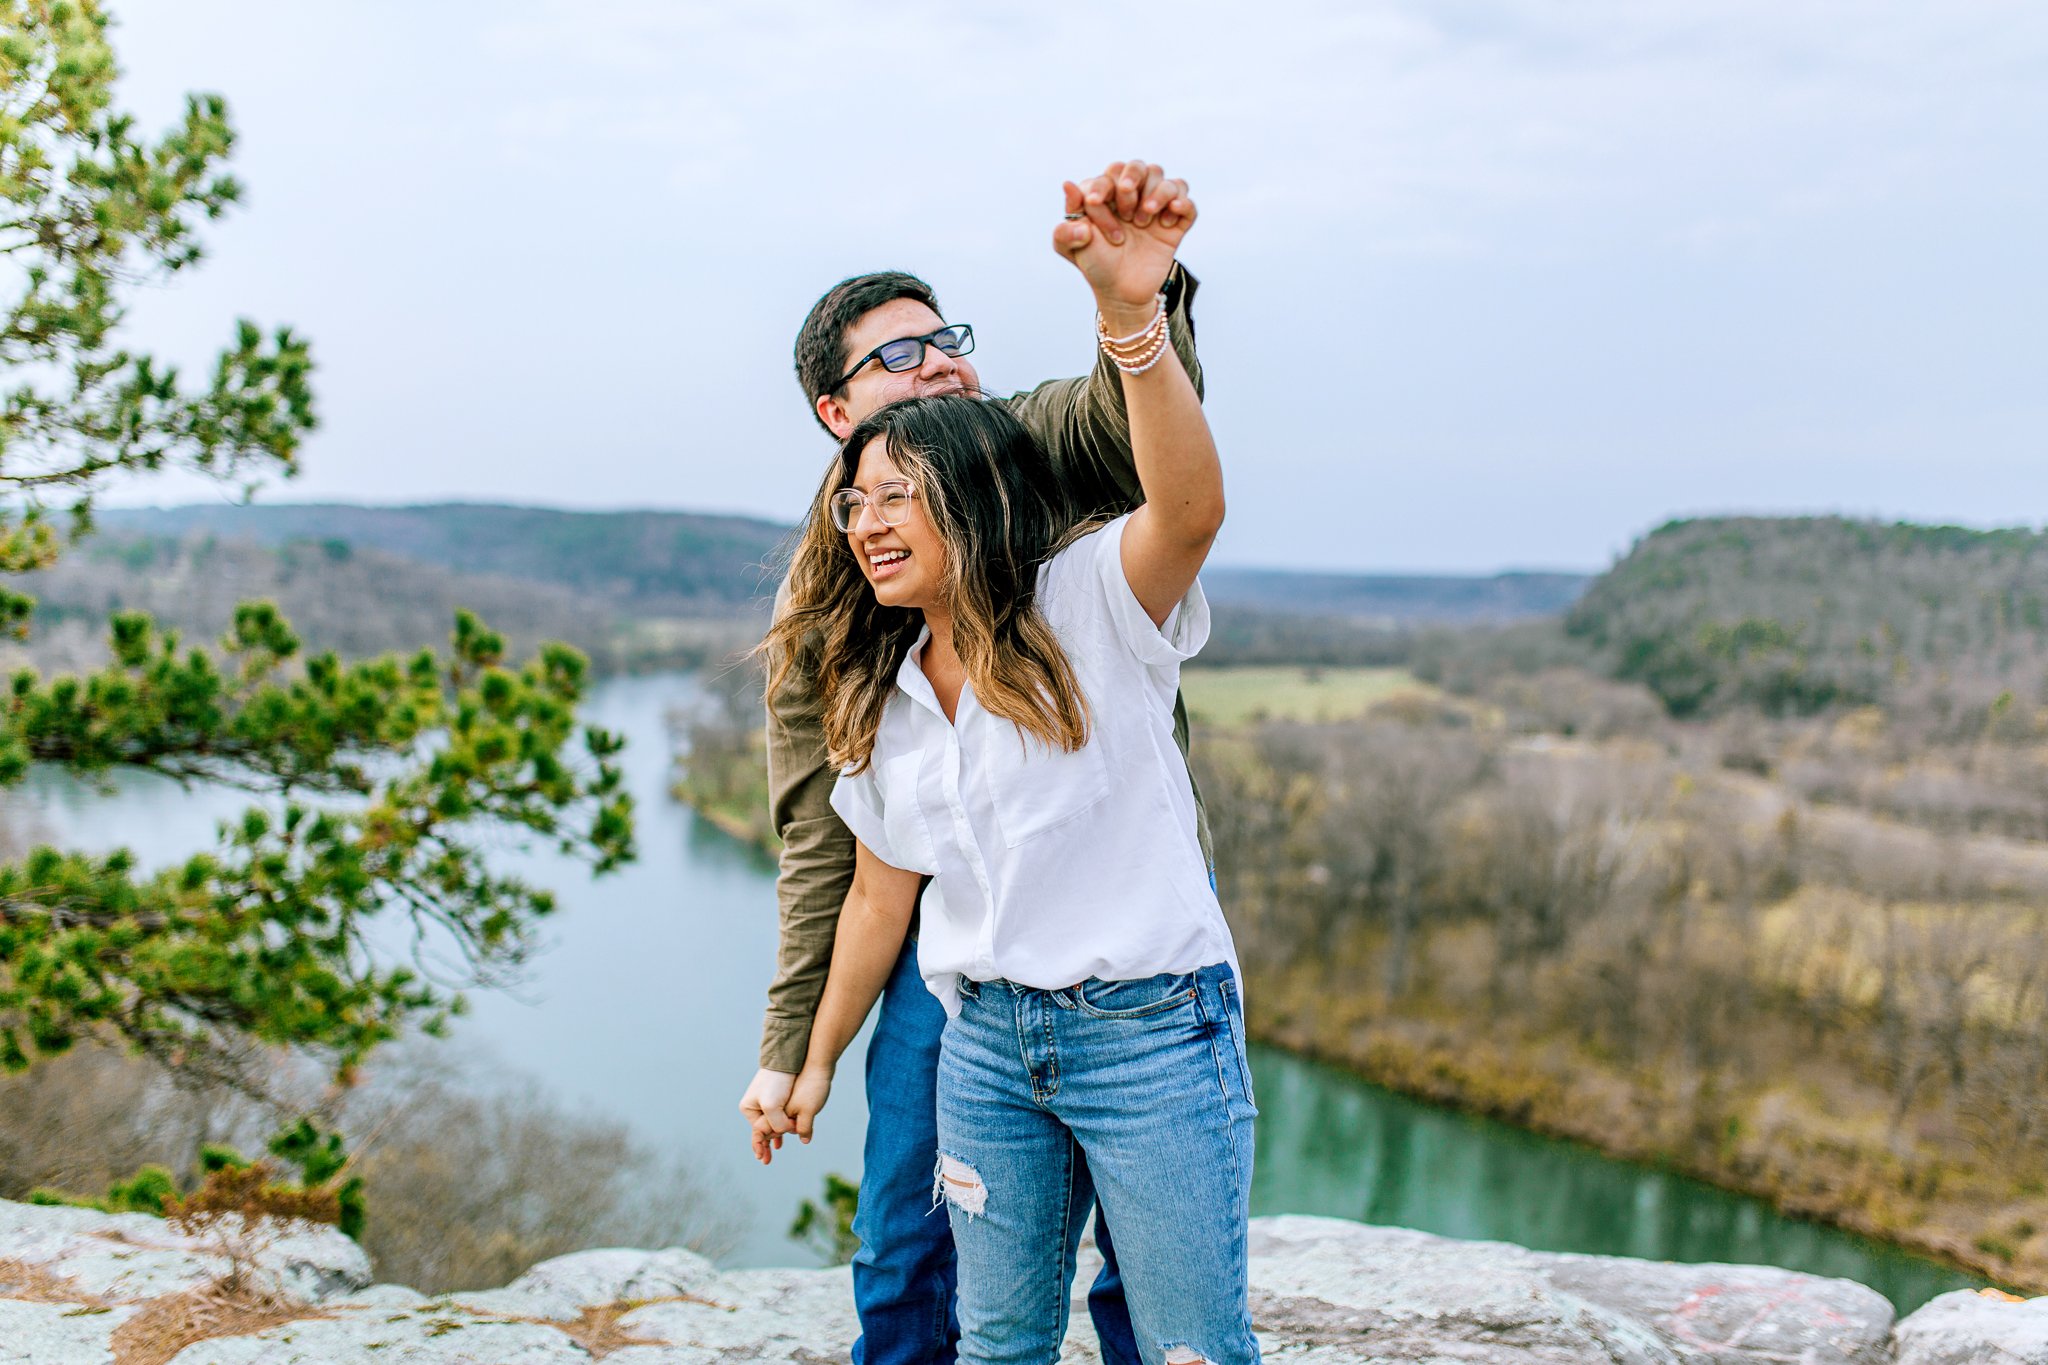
(1776, 1145)
(730, 819)
(1685, 944)
(78, 1285)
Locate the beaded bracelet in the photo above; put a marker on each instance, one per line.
(1141, 350)
(1145, 359)
(1158, 316)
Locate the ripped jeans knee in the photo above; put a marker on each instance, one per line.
(959, 1184)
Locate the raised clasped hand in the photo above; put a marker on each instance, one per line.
(1132, 219)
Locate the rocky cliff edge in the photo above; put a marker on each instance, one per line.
(84, 1288)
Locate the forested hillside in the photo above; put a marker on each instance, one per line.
(1792, 615)
(1788, 616)
(642, 563)
(1398, 599)
(638, 588)
(355, 601)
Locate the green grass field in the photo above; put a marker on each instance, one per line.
(1233, 696)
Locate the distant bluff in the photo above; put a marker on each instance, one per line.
(1791, 615)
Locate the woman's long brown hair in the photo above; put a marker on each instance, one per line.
(993, 499)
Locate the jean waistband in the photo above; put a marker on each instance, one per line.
(971, 989)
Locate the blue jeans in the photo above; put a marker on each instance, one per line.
(1135, 1093)
(903, 1274)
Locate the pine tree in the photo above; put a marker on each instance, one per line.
(379, 784)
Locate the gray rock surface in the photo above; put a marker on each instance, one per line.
(1349, 1292)
(1963, 1328)
(132, 1256)
(32, 1333)
(1324, 1292)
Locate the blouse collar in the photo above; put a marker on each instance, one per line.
(911, 679)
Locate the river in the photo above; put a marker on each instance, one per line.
(645, 1007)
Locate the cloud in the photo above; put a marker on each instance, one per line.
(1492, 238)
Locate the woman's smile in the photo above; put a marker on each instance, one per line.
(886, 563)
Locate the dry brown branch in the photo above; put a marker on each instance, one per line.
(597, 1330)
(29, 1283)
(170, 1324)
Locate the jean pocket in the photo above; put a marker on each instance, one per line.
(1135, 999)
(1233, 1011)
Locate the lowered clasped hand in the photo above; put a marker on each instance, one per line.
(778, 1105)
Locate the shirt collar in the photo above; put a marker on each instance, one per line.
(911, 679)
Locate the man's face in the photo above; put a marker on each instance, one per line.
(874, 386)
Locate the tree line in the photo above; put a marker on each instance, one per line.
(1792, 615)
(354, 600)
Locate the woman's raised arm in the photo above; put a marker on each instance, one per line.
(1169, 537)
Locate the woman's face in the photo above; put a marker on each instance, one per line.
(905, 564)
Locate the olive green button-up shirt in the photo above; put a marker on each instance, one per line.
(1082, 425)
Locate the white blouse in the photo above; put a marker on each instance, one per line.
(1050, 867)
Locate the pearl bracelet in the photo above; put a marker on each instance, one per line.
(1136, 365)
(1158, 317)
(1141, 350)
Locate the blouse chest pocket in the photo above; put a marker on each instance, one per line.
(902, 816)
(1036, 789)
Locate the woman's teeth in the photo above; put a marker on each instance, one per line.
(888, 557)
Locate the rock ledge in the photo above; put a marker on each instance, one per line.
(1323, 1291)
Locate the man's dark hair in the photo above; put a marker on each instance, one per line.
(821, 342)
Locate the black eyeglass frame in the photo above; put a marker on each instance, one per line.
(966, 331)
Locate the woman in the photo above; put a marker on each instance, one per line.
(998, 687)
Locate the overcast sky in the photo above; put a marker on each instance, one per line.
(1486, 283)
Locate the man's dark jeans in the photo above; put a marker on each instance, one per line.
(903, 1274)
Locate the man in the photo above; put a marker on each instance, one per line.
(869, 341)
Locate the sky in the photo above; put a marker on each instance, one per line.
(1486, 284)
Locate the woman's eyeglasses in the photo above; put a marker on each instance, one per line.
(891, 502)
(907, 353)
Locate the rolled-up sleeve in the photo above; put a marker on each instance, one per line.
(1187, 626)
(857, 800)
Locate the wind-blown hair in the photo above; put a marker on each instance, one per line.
(999, 510)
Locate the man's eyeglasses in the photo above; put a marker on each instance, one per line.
(907, 353)
(891, 502)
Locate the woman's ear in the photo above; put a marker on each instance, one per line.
(834, 415)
